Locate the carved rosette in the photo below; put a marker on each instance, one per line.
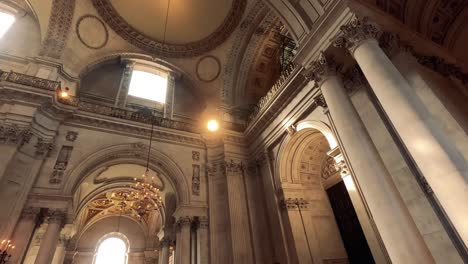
(324, 67)
(354, 33)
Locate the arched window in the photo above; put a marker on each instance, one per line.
(6, 20)
(112, 249)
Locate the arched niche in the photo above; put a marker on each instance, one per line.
(311, 233)
(136, 153)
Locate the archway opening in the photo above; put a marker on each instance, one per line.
(112, 250)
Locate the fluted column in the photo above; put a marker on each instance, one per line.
(164, 251)
(23, 232)
(183, 241)
(402, 239)
(440, 162)
(202, 241)
(51, 238)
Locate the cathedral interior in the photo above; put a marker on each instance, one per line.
(233, 131)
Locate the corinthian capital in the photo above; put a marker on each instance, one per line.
(354, 33)
(325, 66)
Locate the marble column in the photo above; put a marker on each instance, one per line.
(183, 241)
(397, 229)
(51, 238)
(164, 251)
(23, 232)
(202, 241)
(442, 165)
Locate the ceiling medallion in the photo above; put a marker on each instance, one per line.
(92, 32)
(141, 40)
(208, 68)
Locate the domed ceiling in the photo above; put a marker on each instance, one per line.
(193, 27)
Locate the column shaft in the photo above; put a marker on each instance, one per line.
(203, 242)
(23, 232)
(403, 241)
(164, 253)
(183, 241)
(50, 239)
(441, 163)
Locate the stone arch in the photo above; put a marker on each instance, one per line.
(312, 235)
(133, 153)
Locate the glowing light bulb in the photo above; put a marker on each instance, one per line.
(213, 125)
(64, 94)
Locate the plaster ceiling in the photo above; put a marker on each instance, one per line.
(193, 27)
(188, 20)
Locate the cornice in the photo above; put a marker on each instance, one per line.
(154, 46)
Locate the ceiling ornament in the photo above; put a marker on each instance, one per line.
(208, 68)
(60, 22)
(154, 46)
(92, 32)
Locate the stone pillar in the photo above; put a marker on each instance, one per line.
(164, 251)
(183, 241)
(202, 241)
(51, 238)
(442, 165)
(239, 215)
(402, 239)
(170, 91)
(23, 232)
(121, 99)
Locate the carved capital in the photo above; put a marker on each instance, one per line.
(234, 168)
(43, 148)
(294, 203)
(56, 216)
(13, 134)
(204, 222)
(30, 212)
(353, 79)
(391, 44)
(184, 221)
(165, 242)
(354, 33)
(320, 101)
(324, 67)
(342, 167)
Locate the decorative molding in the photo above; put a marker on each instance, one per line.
(80, 37)
(216, 73)
(342, 167)
(61, 165)
(329, 168)
(56, 216)
(29, 80)
(30, 212)
(196, 179)
(353, 79)
(203, 222)
(266, 100)
(354, 33)
(60, 22)
(192, 49)
(184, 221)
(319, 100)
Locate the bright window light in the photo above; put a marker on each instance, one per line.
(148, 86)
(6, 20)
(112, 250)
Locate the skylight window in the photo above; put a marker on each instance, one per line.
(148, 85)
(6, 20)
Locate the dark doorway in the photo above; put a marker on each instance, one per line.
(348, 223)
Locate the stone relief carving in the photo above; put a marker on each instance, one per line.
(196, 180)
(61, 165)
(294, 203)
(13, 134)
(60, 21)
(233, 168)
(140, 40)
(328, 168)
